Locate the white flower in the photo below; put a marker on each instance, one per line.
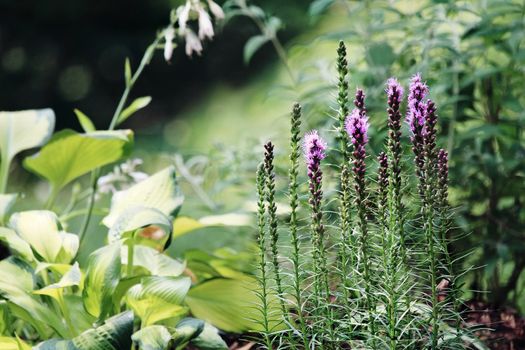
(184, 14)
(216, 9)
(205, 25)
(169, 35)
(192, 43)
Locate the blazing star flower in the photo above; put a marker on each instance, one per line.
(416, 107)
(394, 91)
(193, 44)
(205, 25)
(216, 9)
(314, 147)
(356, 126)
(183, 14)
(169, 35)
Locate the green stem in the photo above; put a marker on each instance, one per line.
(4, 173)
(131, 248)
(66, 314)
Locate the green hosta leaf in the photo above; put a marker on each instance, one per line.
(186, 330)
(102, 278)
(152, 338)
(42, 231)
(16, 286)
(160, 191)
(159, 298)
(8, 343)
(229, 305)
(136, 105)
(156, 263)
(85, 122)
(138, 217)
(114, 334)
(16, 244)
(24, 130)
(209, 339)
(70, 278)
(253, 45)
(6, 202)
(70, 155)
(183, 225)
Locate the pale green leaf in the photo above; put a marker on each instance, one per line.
(70, 155)
(16, 244)
(155, 262)
(136, 105)
(85, 122)
(152, 338)
(230, 305)
(253, 45)
(6, 202)
(127, 71)
(41, 230)
(70, 278)
(23, 130)
(8, 343)
(102, 278)
(136, 218)
(186, 330)
(183, 225)
(160, 191)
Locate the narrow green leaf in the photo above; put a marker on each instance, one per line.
(127, 71)
(70, 155)
(253, 45)
(85, 122)
(136, 105)
(102, 278)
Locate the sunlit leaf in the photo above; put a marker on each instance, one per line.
(8, 343)
(102, 278)
(155, 262)
(138, 217)
(136, 105)
(70, 278)
(85, 122)
(70, 155)
(6, 202)
(152, 338)
(159, 191)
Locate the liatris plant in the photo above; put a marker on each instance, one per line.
(381, 294)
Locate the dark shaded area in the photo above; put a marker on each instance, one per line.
(67, 55)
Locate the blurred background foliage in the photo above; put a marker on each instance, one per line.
(215, 110)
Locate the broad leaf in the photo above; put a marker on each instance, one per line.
(183, 225)
(16, 244)
(209, 339)
(155, 262)
(159, 191)
(159, 298)
(70, 155)
(136, 105)
(70, 278)
(114, 334)
(152, 338)
(23, 130)
(42, 231)
(136, 218)
(102, 278)
(229, 305)
(8, 343)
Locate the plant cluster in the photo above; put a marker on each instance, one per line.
(376, 273)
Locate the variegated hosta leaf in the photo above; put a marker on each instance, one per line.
(114, 334)
(155, 262)
(42, 231)
(16, 286)
(160, 191)
(70, 278)
(209, 339)
(8, 343)
(102, 278)
(70, 155)
(158, 298)
(152, 338)
(6, 202)
(23, 130)
(199, 333)
(139, 217)
(16, 244)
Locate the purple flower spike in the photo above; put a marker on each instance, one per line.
(314, 147)
(394, 91)
(416, 107)
(357, 127)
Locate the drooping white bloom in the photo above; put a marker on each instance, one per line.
(192, 43)
(169, 35)
(205, 25)
(184, 14)
(216, 9)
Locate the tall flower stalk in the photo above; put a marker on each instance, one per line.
(272, 220)
(357, 129)
(314, 151)
(295, 139)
